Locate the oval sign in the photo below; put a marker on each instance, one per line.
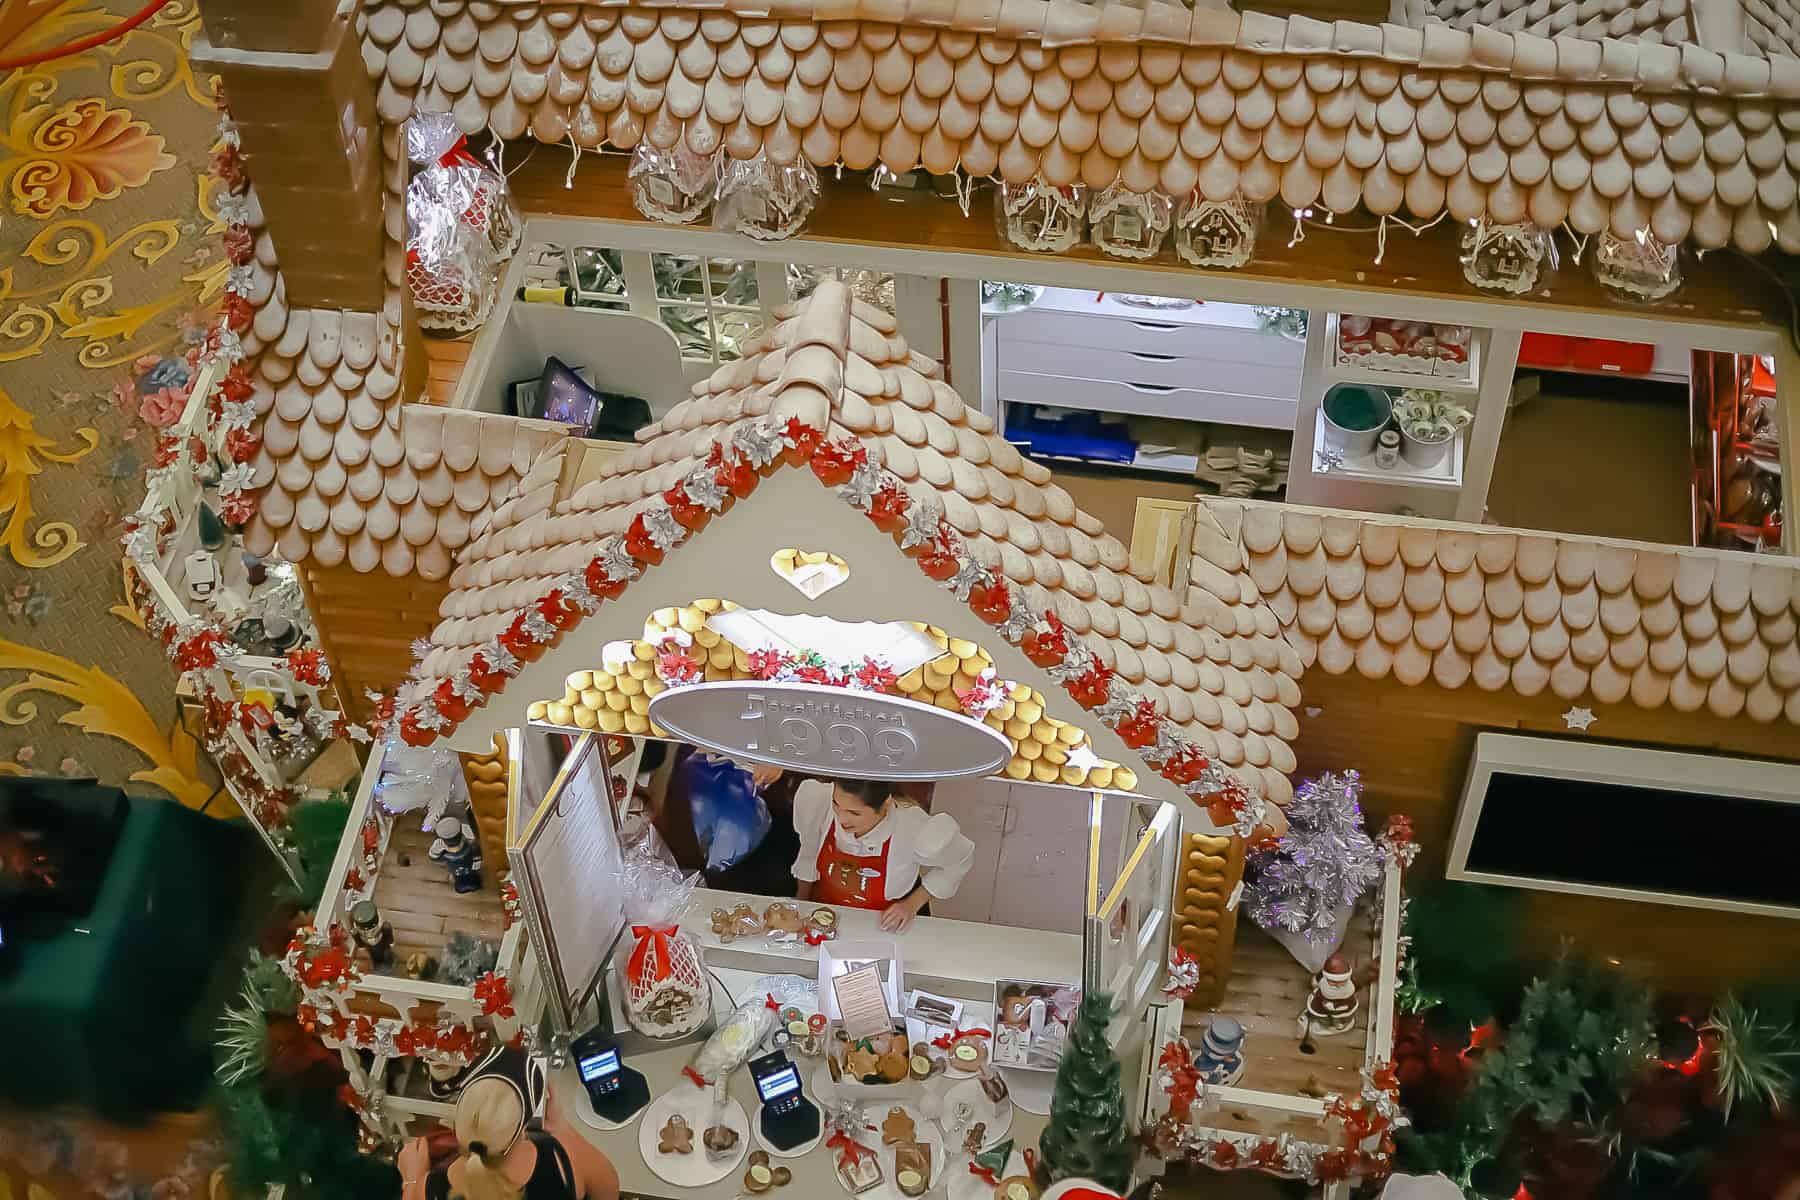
(831, 731)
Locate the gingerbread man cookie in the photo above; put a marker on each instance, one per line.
(783, 917)
(677, 1137)
(898, 1128)
(861, 1064)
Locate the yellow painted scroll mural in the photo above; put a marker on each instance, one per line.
(21, 446)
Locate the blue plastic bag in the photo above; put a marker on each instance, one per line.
(730, 818)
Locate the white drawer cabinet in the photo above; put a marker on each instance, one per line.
(1207, 363)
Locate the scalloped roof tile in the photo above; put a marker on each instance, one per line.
(1477, 122)
(1501, 608)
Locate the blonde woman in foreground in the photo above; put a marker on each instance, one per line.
(500, 1156)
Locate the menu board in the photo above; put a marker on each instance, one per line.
(568, 864)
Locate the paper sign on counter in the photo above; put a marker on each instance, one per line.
(862, 1007)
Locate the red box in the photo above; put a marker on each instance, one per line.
(1614, 358)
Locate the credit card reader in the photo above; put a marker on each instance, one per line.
(789, 1119)
(617, 1092)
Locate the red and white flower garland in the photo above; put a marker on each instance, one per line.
(731, 471)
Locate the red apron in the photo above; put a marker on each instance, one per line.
(850, 880)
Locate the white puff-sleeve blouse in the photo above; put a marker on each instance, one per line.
(923, 847)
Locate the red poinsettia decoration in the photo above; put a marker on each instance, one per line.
(887, 507)
(938, 561)
(639, 544)
(733, 473)
(1185, 765)
(991, 602)
(240, 245)
(237, 311)
(874, 676)
(495, 994)
(1183, 1086)
(241, 445)
(1090, 688)
(600, 583)
(675, 668)
(413, 733)
(766, 664)
(329, 968)
(1266, 1155)
(1048, 644)
(1137, 728)
(803, 440)
(815, 673)
(518, 640)
(309, 666)
(453, 707)
(485, 677)
(235, 386)
(555, 608)
(237, 508)
(1225, 1154)
(228, 168)
(835, 462)
(687, 514)
(199, 651)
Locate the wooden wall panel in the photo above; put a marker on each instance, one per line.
(367, 624)
(1413, 745)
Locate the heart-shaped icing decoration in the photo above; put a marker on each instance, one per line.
(811, 572)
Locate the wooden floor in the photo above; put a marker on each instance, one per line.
(1266, 994)
(418, 901)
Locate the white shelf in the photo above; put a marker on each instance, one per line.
(1467, 379)
(1447, 474)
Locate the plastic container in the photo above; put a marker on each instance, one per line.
(1355, 415)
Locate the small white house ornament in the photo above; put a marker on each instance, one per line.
(1506, 258)
(1637, 268)
(1217, 233)
(1128, 224)
(1036, 215)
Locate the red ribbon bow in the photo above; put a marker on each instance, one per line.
(985, 1174)
(852, 1150)
(459, 156)
(700, 1080)
(649, 936)
(945, 1041)
(769, 1002)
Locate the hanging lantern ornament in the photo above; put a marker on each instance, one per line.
(1637, 268)
(1217, 233)
(1128, 224)
(673, 185)
(1508, 258)
(1036, 215)
(763, 199)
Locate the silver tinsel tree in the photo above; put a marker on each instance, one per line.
(1320, 867)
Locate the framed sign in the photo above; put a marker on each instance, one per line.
(831, 731)
(567, 862)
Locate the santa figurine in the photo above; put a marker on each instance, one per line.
(455, 847)
(1331, 1009)
(372, 933)
(1221, 1058)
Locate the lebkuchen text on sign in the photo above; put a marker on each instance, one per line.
(830, 731)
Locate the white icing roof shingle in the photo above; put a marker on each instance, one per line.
(1504, 608)
(1612, 134)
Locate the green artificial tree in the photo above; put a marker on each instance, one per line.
(1087, 1137)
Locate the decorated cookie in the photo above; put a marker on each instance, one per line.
(783, 917)
(823, 922)
(1016, 1187)
(972, 1140)
(893, 1067)
(860, 1063)
(912, 1168)
(762, 1176)
(676, 1137)
(898, 1128)
(993, 1086)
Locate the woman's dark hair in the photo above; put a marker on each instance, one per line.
(870, 793)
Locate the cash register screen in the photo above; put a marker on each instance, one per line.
(599, 1066)
(779, 1084)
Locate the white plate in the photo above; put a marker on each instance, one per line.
(924, 1131)
(1030, 1090)
(797, 1151)
(997, 1117)
(691, 1170)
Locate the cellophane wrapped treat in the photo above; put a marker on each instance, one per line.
(673, 185)
(1128, 224)
(739, 1035)
(1036, 215)
(461, 223)
(763, 199)
(439, 150)
(663, 978)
